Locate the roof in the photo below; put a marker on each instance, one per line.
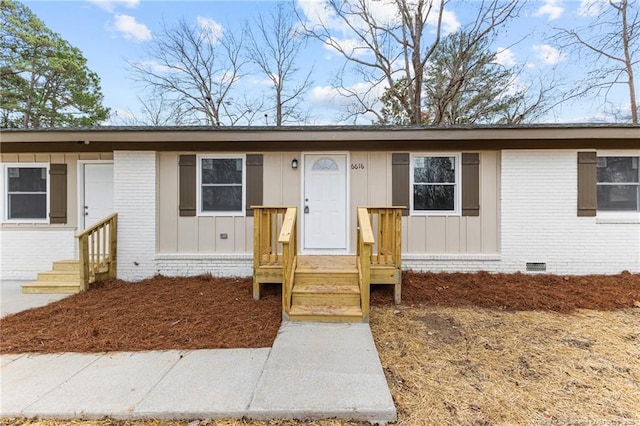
(308, 138)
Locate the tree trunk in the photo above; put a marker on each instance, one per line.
(627, 61)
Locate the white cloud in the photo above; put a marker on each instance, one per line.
(335, 98)
(450, 23)
(130, 28)
(505, 57)
(351, 46)
(549, 55)
(318, 12)
(551, 9)
(591, 8)
(210, 27)
(110, 5)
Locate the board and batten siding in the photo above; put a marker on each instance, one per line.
(55, 240)
(194, 234)
(71, 162)
(370, 184)
(431, 234)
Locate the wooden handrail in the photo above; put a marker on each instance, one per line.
(96, 225)
(365, 244)
(98, 248)
(288, 239)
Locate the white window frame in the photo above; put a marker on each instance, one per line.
(199, 159)
(457, 191)
(612, 216)
(5, 189)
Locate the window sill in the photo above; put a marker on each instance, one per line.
(221, 214)
(618, 218)
(434, 214)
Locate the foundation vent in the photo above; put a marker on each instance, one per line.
(536, 267)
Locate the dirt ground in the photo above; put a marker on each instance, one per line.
(210, 312)
(471, 349)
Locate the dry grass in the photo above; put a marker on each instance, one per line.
(450, 366)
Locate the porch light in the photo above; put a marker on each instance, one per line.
(294, 163)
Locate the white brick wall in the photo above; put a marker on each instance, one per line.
(452, 262)
(224, 265)
(135, 201)
(540, 223)
(24, 253)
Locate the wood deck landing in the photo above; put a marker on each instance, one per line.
(327, 263)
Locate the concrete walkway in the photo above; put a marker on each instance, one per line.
(313, 371)
(12, 300)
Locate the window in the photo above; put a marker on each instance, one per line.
(221, 185)
(618, 184)
(434, 183)
(26, 192)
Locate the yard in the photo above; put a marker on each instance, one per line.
(475, 349)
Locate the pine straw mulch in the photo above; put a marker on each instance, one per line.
(211, 312)
(473, 349)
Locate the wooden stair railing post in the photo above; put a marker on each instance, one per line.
(288, 239)
(257, 249)
(83, 249)
(113, 247)
(365, 244)
(92, 246)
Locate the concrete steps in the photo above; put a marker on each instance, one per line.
(64, 278)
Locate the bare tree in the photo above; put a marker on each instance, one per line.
(612, 38)
(197, 66)
(393, 40)
(274, 46)
(158, 109)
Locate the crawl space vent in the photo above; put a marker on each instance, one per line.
(536, 267)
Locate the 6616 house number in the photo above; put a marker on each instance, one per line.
(357, 166)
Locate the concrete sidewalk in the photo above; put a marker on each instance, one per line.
(313, 371)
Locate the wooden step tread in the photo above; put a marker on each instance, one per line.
(326, 288)
(328, 270)
(316, 310)
(51, 287)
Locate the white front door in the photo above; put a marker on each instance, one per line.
(98, 192)
(325, 202)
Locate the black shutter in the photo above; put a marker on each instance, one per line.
(470, 184)
(587, 180)
(400, 181)
(187, 185)
(58, 196)
(254, 182)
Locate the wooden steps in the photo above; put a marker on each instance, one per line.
(326, 289)
(64, 278)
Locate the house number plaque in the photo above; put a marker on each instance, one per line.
(357, 166)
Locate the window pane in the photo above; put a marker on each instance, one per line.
(433, 197)
(434, 169)
(618, 169)
(618, 197)
(27, 206)
(222, 198)
(221, 170)
(27, 179)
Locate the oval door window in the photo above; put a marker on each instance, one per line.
(325, 164)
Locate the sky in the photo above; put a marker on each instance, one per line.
(113, 33)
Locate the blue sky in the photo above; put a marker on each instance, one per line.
(110, 33)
